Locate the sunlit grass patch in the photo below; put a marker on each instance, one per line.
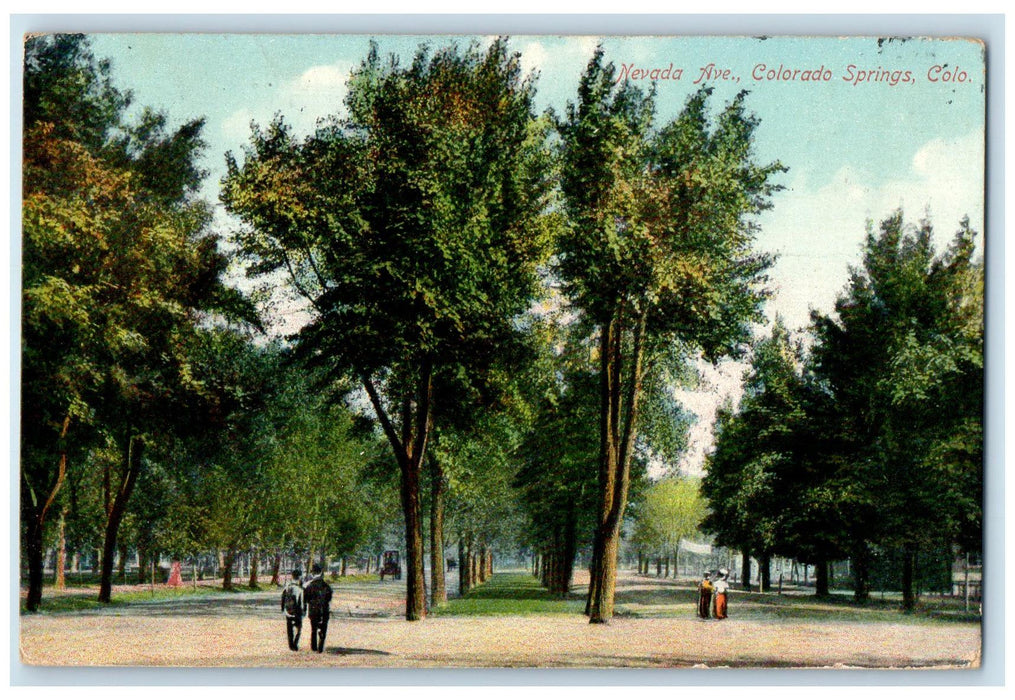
(353, 578)
(511, 594)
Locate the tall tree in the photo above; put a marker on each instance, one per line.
(412, 228)
(657, 256)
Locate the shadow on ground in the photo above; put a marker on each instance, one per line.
(350, 651)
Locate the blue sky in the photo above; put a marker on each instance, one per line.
(856, 149)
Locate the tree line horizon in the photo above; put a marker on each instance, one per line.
(514, 295)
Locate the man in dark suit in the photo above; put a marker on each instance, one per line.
(317, 598)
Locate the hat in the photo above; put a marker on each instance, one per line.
(315, 569)
(707, 574)
(724, 572)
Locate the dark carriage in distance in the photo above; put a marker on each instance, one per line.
(390, 565)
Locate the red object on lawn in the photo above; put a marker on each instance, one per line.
(175, 575)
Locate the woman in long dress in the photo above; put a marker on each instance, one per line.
(721, 587)
(704, 596)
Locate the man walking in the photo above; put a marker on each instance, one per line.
(317, 595)
(293, 608)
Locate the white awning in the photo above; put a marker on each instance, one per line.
(695, 548)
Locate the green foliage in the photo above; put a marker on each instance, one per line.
(670, 510)
(65, 85)
(875, 439)
(748, 480)
(413, 226)
(656, 254)
(903, 364)
(659, 221)
(557, 477)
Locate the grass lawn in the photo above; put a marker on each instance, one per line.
(511, 593)
(82, 598)
(518, 593)
(81, 592)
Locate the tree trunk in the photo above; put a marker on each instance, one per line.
(821, 578)
(568, 552)
(415, 603)
(276, 569)
(35, 555)
(345, 566)
(463, 575)
(745, 569)
(410, 448)
(481, 564)
(861, 572)
(252, 583)
(36, 522)
(117, 509)
(227, 569)
(617, 435)
(765, 573)
(121, 564)
(602, 605)
(908, 567)
(61, 553)
(438, 585)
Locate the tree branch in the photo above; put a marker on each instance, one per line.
(296, 283)
(382, 416)
(423, 408)
(61, 473)
(633, 397)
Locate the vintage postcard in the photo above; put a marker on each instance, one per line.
(523, 351)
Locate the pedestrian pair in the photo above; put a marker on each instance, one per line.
(311, 598)
(713, 595)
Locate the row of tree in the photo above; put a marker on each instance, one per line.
(156, 418)
(501, 300)
(871, 437)
(418, 225)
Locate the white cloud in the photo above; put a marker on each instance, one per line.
(533, 57)
(949, 181)
(572, 56)
(236, 127)
(718, 384)
(317, 93)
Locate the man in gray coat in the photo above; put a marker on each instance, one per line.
(293, 608)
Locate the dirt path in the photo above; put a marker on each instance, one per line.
(365, 631)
